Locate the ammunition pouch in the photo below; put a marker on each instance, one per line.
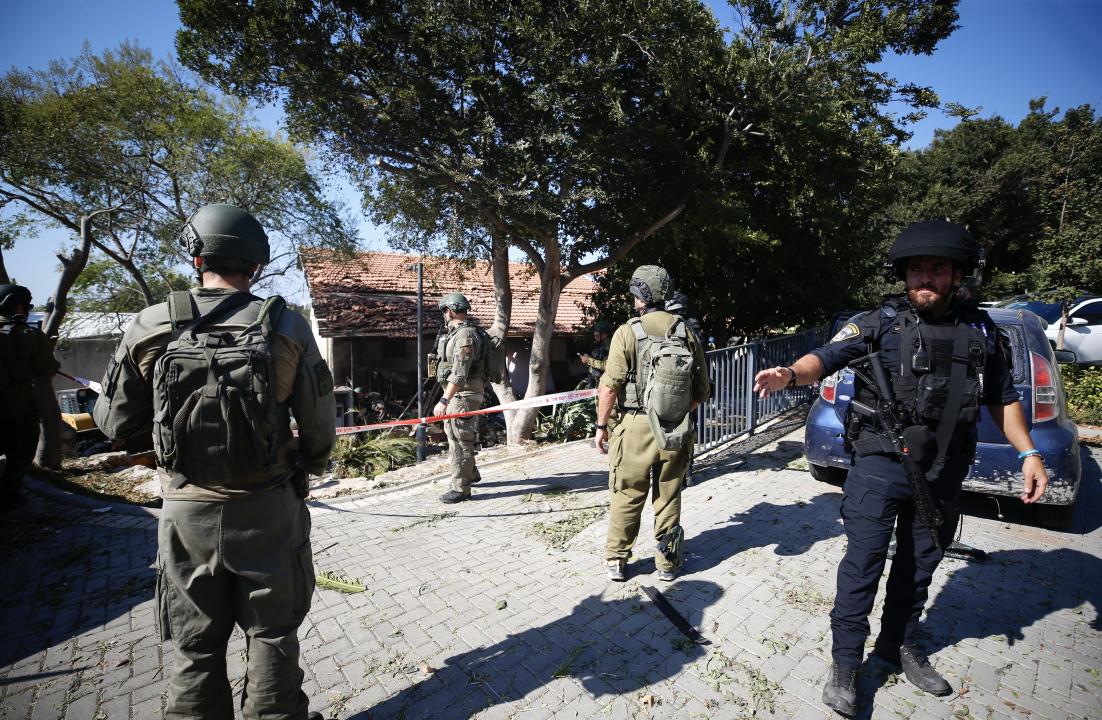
(433, 365)
(672, 545)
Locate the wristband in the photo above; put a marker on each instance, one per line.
(602, 427)
(1030, 453)
(792, 380)
(444, 400)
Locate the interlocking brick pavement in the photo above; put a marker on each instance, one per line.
(504, 600)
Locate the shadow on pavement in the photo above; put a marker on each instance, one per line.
(611, 647)
(64, 577)
(1010, 592)
(794, 529)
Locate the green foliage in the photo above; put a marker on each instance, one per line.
(121, 131)
(1031, 194)
(372, 454)
(573, 421)
(1083, 387)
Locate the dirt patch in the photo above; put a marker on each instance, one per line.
(108, 476)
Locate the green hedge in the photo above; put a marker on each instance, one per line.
(1083, 386)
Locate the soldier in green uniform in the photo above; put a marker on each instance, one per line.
(460, 374)
(596, 358)
(655, 378)
(26, 359)
(234, 536)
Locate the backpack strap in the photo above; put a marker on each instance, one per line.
(269, 314)
(961, 361)
(181, 309)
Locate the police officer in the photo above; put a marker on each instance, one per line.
(460, 374)
(26, 361)
(595, 359)
(236, 551)
(638, 465)
(943, 360)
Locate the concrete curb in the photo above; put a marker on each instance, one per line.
(45, 489)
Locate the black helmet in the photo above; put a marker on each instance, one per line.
(456, 301)
(11, 296)
(651, 284)
(229, 236)
(678, 302)
(938, 238)
(602, 326)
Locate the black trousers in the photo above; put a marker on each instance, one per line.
(877, 499)
(18, 441)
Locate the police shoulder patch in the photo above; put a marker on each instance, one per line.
(848, 332)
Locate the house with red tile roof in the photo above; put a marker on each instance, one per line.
(364, 314)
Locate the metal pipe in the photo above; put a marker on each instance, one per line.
(420, 360)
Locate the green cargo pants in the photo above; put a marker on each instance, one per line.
(462, 438)
(243, 561)
(633, 456)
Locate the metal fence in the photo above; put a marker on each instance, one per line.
(733, 409)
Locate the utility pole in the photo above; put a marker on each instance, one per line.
(420, 360)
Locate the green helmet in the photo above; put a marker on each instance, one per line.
(602, 326)
(12, 296)
(651, 284)
(229, 236)
(456, 301)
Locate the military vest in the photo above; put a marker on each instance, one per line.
(921, 373)
(15, 367)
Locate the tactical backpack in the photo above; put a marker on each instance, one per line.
(663, 382)
(216, 416)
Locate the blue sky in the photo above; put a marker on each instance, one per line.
(1005, 53)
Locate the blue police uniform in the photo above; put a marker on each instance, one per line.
(877, 496)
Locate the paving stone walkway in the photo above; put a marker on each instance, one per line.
(499, 608)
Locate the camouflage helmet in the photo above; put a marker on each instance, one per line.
(651, 284)
(602, 326)
(229, 236)
(456, 301)
(678, 302)
(12, 296)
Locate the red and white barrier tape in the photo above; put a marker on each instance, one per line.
(90, 384)
(540, 401)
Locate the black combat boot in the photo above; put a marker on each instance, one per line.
(452, 496)
(840, 691)
(917, 668)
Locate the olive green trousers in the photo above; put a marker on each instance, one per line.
(246, 562)
(638, 468)
(462, 441)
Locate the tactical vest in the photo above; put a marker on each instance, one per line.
(14, 367)
(922, 378)
(444, 366)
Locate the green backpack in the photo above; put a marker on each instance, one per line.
(216, 418)
(663, 382)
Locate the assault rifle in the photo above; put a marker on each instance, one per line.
(912, 443)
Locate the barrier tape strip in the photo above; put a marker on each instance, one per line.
(540, 401)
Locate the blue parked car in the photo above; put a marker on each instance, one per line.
(997, 470)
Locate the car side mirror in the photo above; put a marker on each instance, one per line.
(1065, 357)
(1076, 321)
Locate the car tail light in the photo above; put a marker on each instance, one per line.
(1044, 390)
(828, 388)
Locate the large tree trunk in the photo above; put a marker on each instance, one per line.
(503, 312)
(540, 365)
(49, 443)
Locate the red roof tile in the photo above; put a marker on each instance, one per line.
(375, 293)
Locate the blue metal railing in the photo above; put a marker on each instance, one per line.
(733, 409)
